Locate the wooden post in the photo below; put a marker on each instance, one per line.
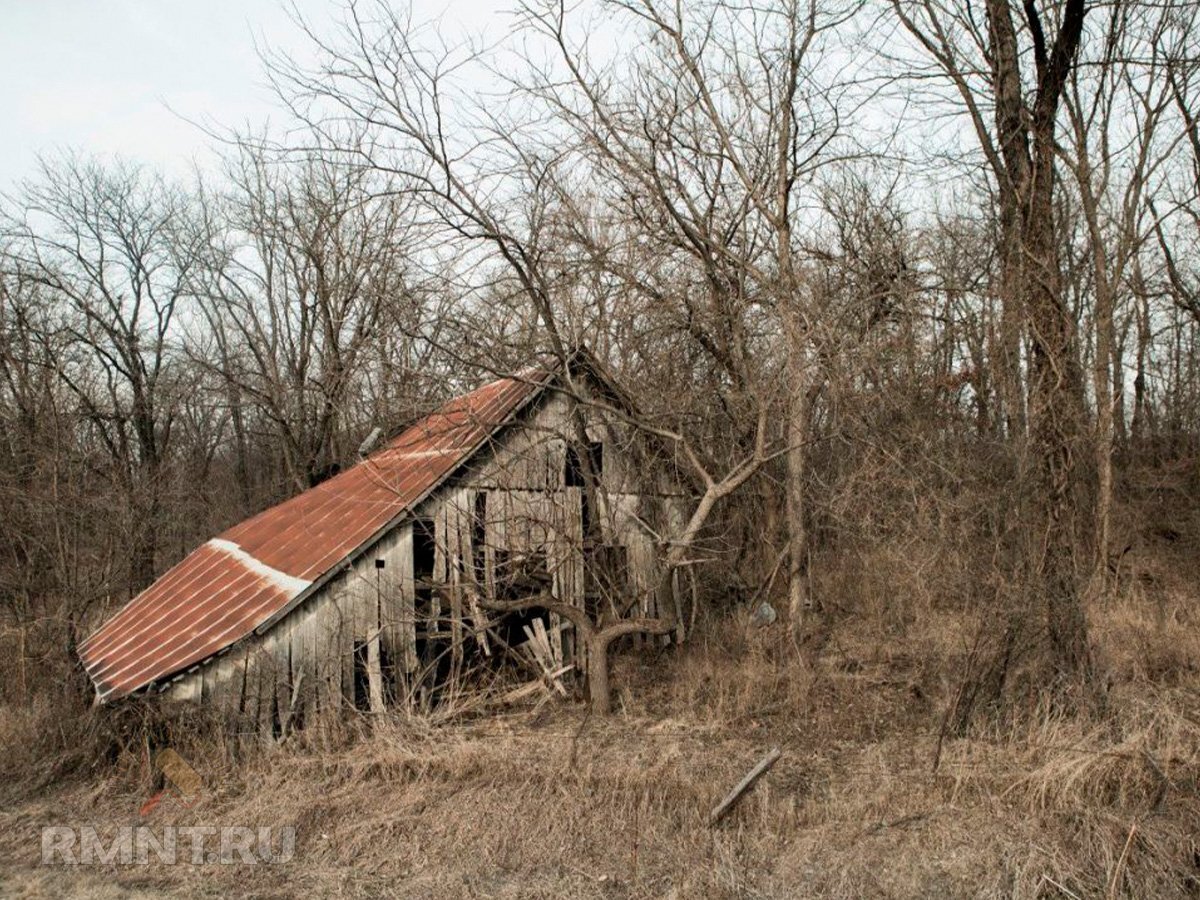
(374, 675)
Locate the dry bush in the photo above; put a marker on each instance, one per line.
(729, 673)
(44, 743)
(1149, 638)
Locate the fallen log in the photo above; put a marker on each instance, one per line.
(722, 809)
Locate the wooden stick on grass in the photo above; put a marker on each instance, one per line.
(719, 812)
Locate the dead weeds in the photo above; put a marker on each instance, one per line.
(550, 802)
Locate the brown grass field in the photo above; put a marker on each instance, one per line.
(542, 800)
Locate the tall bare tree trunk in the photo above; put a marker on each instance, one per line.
(1102, 384)
(799, 411)
(1056, 445)
(1057, 431)
(1010, 385)
(1138, 425)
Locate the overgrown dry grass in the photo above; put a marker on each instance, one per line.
(549, 802)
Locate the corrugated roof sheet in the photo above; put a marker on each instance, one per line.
(237, 581)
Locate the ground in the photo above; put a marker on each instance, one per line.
(550, 802)
(869, 799)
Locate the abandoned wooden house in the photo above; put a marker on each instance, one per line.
(388, 582)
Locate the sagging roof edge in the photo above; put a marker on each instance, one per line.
(522, 407)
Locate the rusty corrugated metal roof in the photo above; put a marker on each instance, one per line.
(255, 571)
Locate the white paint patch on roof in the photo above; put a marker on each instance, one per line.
(285, 582)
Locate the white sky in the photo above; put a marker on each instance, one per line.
(103, 76)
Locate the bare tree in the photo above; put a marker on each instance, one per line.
(110, 251)
(306, 275)
(383, 101)
(1115, 153)
(987, 69)
(1182, 201)
(708, 147)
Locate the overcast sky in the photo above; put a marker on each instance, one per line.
(115, 76)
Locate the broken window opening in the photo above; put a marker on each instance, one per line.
(510, 626)
(362, 682)
(424, 552)
(573, 474)
(479, 539)
(424, 549)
